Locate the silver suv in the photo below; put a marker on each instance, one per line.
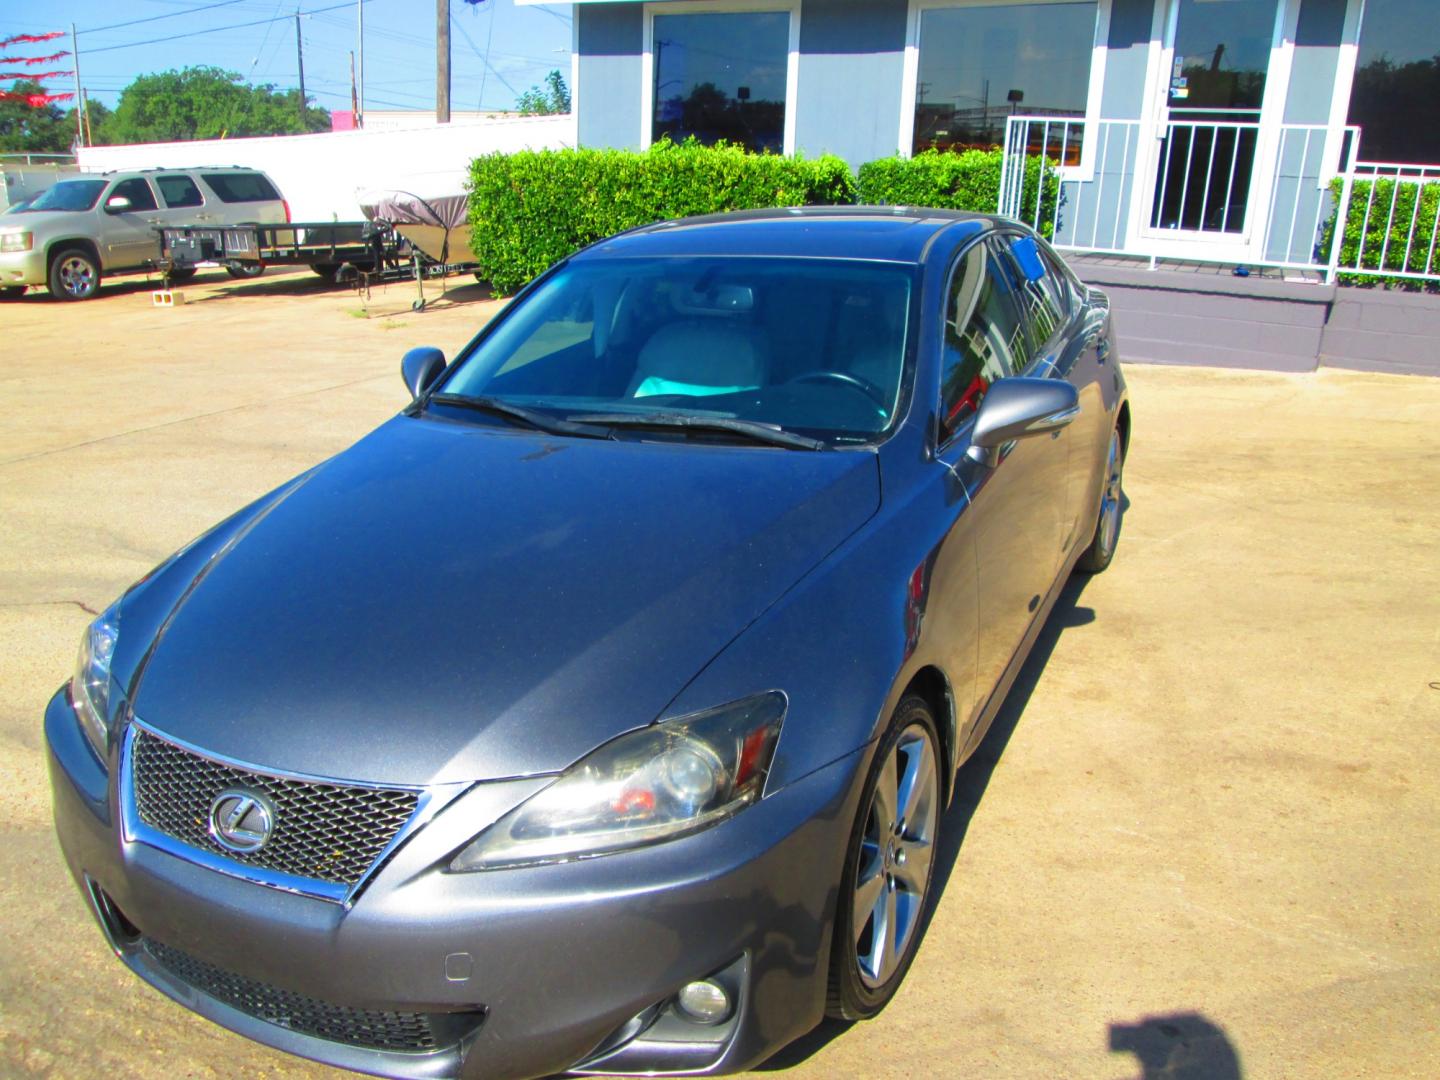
(86, 226)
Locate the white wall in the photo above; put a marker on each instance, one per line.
(322, 175)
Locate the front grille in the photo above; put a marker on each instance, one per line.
(374, 1029)
(322, 831)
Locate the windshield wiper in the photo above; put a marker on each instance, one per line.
(529, 417)
(750, 429)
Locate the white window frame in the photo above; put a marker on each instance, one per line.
(1222, 247)
(720, 7)
(1099, 48)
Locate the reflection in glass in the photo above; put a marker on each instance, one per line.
(722, 76)
(1397, 82)
(1222, 52)
(1217, 85)
(980, 65)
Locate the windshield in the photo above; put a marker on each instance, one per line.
(810, 346)
(68, 195)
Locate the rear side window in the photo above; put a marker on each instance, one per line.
(241, 187)
(137, 191)
(179, 191)
(984, 335)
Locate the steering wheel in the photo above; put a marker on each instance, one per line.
(869, 389)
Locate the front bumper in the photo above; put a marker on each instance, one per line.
(557, 959)
(22, 268)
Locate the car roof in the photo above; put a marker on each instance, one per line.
(877, 233)
(163, 169)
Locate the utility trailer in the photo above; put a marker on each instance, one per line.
(404, 237)
(365, 252)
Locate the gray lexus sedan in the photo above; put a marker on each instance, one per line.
(598, 712)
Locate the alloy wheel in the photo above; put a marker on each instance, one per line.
(77, 277)
(1110, 501)
(893, 872)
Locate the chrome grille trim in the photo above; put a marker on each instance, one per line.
(135, 829)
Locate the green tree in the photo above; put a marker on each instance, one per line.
(206, 103)
(99, 121)
(550, 99)
(27, 129)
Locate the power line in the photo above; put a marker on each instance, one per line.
(156, 18)
(219, 29)
(483, 59)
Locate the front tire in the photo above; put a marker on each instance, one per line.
(889, 867)
(1101, 551)
(74, 275)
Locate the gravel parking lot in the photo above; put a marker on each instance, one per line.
(1202, 841)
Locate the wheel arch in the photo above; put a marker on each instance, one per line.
(55, 247)
(931, 685)
(1122, 424)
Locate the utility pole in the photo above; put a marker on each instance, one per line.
(300, 58)
(354, 108)
(79, 113)
(360, 51)
(442, 61)
(85, 111)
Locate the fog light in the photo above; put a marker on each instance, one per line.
(704, 1001)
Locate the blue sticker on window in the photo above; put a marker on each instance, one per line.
(1027, 254)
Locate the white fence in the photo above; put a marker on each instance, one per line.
(323, 176)
(1272, 200)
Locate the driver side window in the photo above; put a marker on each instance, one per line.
(137, 191)
(984, 336)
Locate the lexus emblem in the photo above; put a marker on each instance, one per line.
(241, 821)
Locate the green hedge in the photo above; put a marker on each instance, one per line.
(530, 209)
(1376, 196)
(966, 181)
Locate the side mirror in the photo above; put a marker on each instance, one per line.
(420, 368)
(117, 204)
(1017, 408)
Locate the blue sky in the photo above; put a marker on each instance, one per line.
(524, 43)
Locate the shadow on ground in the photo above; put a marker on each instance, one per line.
(1177, 1046)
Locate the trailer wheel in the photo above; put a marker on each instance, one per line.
(244, 270)
(328, 271)
(181, 274)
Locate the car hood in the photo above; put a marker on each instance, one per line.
(447, 602)
(46, 221)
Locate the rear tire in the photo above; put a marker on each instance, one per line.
(889, 867)
(1106, 538)
(245, 270)
(74, 275)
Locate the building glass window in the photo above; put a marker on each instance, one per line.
(721, 76)
(980, 65)
(1397, 82)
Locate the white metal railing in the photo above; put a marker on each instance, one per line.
(1375, 198)
(36, 159)
(1087, 186)
(1183, 204)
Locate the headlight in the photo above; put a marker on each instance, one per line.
(90, 686)
(16, 241)
(665, 781)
